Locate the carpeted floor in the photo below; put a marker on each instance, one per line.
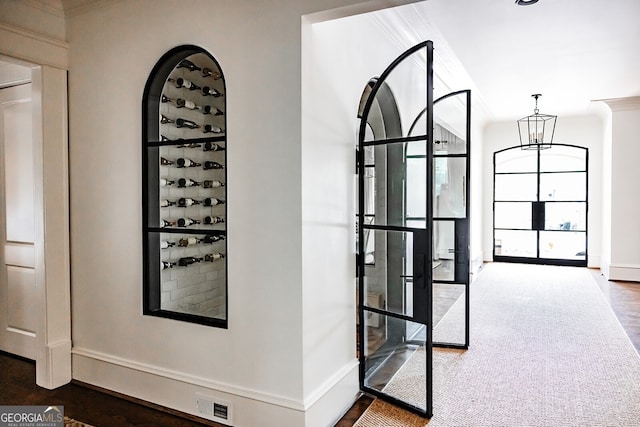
(546, 350)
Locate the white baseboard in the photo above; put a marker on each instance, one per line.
(625, 272)
(180, 391)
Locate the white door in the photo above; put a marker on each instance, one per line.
(17, 231)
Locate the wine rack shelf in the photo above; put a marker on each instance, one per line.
(184, 189)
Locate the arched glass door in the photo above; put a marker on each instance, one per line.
(540, 205)
(394, 257)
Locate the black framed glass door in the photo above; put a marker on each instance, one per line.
(394, 257)
(540, 205)
(450, 168)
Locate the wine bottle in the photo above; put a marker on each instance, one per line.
(185, 63)
(209, 91)
(213, 257)
(212, 184)
(212, 146)
(180, 82)
(165, 162)
(212, 165)
(188, 241)
(212, 201)
(212, 239)
(185, 202)
(186, 261)
(164, 244)
(185, 103)
(187, 163)
(185, 222)
(167, 264)
(164, 182)
(212, 129)
(164, 119)
(208, 109)
(164, 223)
(183, 123)
(191, 145)
(165, 99)
(166, 203)
(213, 219)
(188, 182)
(207, 72)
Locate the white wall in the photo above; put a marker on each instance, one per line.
(290, 341)
(623, 261)
(34, 38)
(585, 131)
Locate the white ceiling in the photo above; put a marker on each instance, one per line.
(571, 51)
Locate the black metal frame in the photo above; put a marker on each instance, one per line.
(151, 229)
(422, 310)
(462, 225)
(538, 213)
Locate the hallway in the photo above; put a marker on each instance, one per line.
(17, 379)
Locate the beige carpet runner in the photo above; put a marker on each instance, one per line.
(546, 350)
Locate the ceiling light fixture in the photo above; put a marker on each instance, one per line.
(536, 131)
(525, 2)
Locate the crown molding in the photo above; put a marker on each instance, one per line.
(622, 104)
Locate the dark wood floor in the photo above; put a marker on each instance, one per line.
(18, 387)
(17, 380)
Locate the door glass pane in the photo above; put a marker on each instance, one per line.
(516, 160)
(513, 215)
(404, 91)
(517, 243)
(388, 284)
(516, 187)
(560, 186)
(449, 315)
(450, 125)
(566, 216)
(563, 158)
(395, 362)
(443, 250)
(391, 184)
(416, 187)
(450, 180)
(563, 245)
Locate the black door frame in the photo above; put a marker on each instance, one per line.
(422, 307)
(538, 213)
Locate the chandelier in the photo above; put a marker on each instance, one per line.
(536, 131)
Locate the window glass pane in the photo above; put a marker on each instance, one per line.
(516, 160)
(562, 158)
(515, 243)
(563, 245)
(566, 216)
(563, 186)
(516, 187)
(513, 215)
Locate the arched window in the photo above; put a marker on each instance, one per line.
(184, 143)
